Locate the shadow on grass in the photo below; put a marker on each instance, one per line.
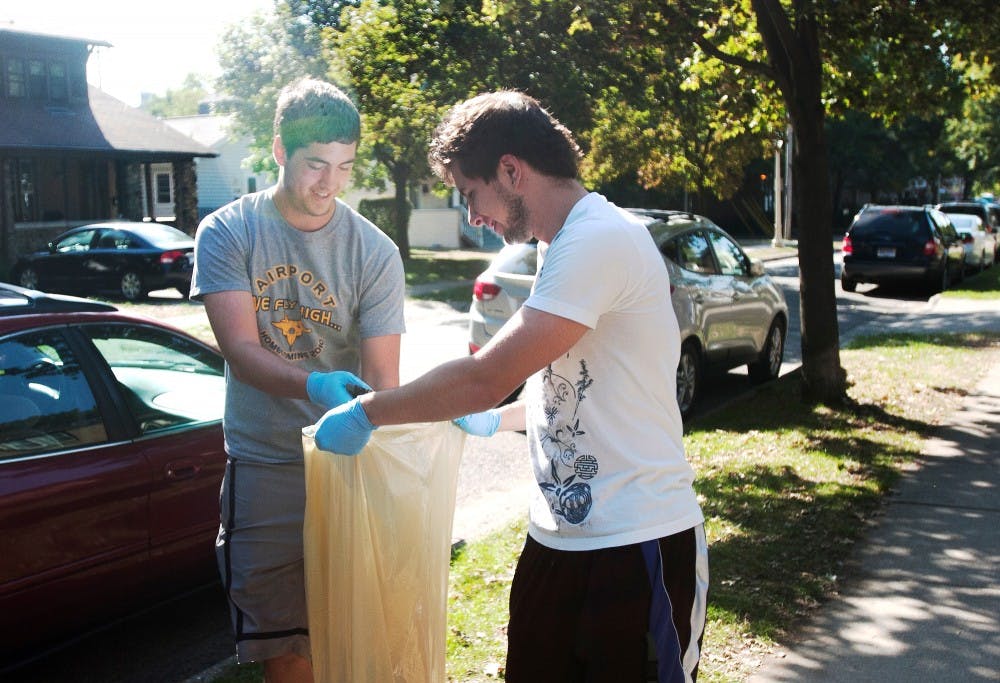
(786, 535)
(966, 340)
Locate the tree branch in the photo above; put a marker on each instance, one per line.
(679, 12)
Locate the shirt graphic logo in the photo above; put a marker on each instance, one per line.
(299, 319)
(291, 329)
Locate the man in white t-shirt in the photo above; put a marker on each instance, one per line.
(614, 571)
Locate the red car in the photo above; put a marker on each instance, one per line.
(111, 459)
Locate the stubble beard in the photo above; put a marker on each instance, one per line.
(516, 230)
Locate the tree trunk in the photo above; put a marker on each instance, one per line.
(793, 52)
(401, 212)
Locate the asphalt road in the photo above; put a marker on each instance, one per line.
(173, 642)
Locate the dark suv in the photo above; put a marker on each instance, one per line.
(889, 244)
(989, 212)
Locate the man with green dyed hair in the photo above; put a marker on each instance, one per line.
(305, 297)
(311, 111)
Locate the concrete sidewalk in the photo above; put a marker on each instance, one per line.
(923, 603)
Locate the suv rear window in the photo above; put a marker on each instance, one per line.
(894, 224)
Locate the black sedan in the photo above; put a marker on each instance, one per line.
(111, 459)
(128, 259)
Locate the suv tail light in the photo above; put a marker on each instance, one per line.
(484, 291)
(168, 257)
(930, 247)
(846, 247)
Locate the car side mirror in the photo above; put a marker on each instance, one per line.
(52, 247)
(756, 268)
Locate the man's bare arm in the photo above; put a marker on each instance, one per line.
(234, 323)
(529, 341)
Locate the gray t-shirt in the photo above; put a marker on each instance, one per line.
(317, 294)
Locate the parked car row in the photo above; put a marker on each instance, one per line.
(123, 258)
(926, 246)
(988, 214)
(730, 311)
(111, 460)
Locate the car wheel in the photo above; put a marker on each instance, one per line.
(848, 285)
(982, 262)
(131, 286)
(768, 366)
(689, 373)
(28, 278)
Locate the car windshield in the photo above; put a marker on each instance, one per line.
(895, 224)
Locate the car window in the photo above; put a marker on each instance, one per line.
(115, 239)
(167, 380)
(47, 402)
(943, 224)
(894, 224)
(691, 251)
(732, 260)
(78, 241)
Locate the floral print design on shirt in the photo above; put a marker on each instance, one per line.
(567, 491)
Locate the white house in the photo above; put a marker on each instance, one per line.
(220, 179)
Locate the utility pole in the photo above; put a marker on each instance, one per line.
(778, 201)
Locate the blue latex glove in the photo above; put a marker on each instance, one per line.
(480, 424)
(331, 389)
(344, 429)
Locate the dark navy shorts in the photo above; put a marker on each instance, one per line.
(629, 614)
(259, 550)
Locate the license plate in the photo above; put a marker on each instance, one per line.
(886, 252)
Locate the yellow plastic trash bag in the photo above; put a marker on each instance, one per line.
(377, 541)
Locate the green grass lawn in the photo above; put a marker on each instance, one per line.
(984, 285)
(429, 266)
(787, 491)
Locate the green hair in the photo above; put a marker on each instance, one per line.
(311, 111)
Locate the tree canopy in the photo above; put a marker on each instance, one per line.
(665, 94)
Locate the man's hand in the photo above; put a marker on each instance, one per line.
(480, 424)
(345, 429)
(331, 389)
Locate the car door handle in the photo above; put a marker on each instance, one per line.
(182, 470)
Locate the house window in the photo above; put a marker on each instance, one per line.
(78, 81)
(16, 84)
(58, 87)
(36, 79)
(163, 188)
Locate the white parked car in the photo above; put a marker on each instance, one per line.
(730, 312)
(979, 243)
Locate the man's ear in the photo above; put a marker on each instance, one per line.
(509, 170)
(278, 151)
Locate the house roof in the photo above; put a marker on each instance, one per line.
(106, 125)
(208, 129)
(101, 124)
(12, 34)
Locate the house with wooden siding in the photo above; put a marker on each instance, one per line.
(71, 154)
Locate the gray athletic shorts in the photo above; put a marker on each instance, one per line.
(259, 550)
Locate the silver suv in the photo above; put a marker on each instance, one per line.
(730, 312)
